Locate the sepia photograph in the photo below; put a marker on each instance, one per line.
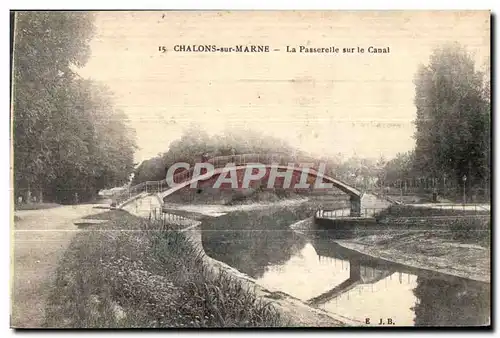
(250, 169)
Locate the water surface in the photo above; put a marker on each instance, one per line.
(314, 268)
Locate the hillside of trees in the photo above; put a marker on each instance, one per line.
(68, 137)
(195, 142)
(453, 126)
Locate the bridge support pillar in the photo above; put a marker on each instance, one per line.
(354, 269)
(355, 206)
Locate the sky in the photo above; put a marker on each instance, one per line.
(325, 104)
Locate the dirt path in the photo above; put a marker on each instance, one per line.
(39, 238)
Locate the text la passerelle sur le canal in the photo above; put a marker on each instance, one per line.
(268, 49)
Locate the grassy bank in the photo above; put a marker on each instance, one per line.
(438, 251)
(464, 226)
(455, 242)
(152, 279)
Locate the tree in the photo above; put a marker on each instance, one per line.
(46, 44)
(195, 142)
(452, 116)
(399, 168)
(68, 137)
(487, 135)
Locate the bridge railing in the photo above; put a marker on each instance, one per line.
(148, 187)
(346, 212)
(128, 193)
(281, 159)
(410, 212)
(160, 220)
(217, 162)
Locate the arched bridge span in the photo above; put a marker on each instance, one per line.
(242, 162)
(189, 179)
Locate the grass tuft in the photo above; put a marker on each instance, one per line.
(147, 279)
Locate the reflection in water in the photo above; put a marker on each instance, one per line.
(390, 297)
(338, 280)
(253, 241)
(358, 275)
(380, 290)
(305, 275)
(252, 252)
(447, 304)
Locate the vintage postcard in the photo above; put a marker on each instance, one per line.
(214, 169)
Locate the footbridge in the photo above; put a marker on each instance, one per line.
(240, 163)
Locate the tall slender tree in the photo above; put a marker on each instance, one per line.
(452, 117)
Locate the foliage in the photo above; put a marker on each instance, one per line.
(68, 137)
(357, 171)
(195, 142)
(453, 117)
(147, 279)
(400, 167)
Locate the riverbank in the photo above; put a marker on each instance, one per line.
(437, 238)
(428, 250)
(454, 242)
(119, 275)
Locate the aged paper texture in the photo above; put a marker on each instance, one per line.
(176, 169)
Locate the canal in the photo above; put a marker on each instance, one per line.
(313, 268)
